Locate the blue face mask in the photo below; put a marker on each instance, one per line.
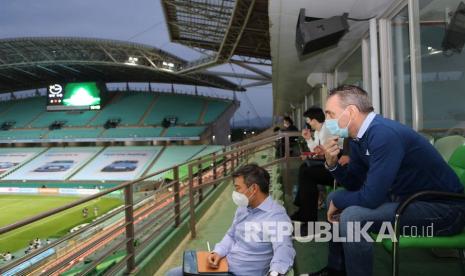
(333, 127)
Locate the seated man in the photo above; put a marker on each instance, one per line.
(388, 163)
(312, 171)
(246, 254)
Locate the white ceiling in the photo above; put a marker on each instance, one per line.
(290, 73)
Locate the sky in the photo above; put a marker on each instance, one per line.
(140, 21)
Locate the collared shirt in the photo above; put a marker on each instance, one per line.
(248, 256)
(319, 138)
(366, 123)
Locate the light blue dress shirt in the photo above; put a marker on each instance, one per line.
(248, 257)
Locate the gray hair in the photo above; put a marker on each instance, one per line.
(353, 95)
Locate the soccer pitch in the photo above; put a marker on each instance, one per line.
(17, 207)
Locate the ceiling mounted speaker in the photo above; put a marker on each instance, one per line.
(315, 34)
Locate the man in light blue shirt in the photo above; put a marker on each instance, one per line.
(259, 240)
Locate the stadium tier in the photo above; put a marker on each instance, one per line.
(128, 107)
(132, 132)
(184, 131)
(187, 109)
(136, 116)
(74, 133)
(73, 119)
(214, 110)
(23, 111)
(23, 134)
(174, 155)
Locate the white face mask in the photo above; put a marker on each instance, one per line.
(240, 199)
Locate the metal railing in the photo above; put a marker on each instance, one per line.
(134, 226)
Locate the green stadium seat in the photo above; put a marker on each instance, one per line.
(132, 132)
(74, 133)
(129, 107)
(73, 119)
(26, 134)
(173, 155)
(184, 131)
(447, 145)
(23, 111)
(457, 162)
(214, 110)
(186, 108)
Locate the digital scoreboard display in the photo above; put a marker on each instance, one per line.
(73, 96)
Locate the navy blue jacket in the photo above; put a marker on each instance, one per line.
(390, 163)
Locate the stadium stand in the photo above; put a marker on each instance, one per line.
(24, 111)
(184, 131)
(134, 110)
(173, 155)
(186, 110)
(24, 134)
(214, 110)
(129, 107)
(208, 150)
(73, 133)
(132, 132)
(73, 119)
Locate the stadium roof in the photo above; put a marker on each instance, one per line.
(29, 63)
(240, 25)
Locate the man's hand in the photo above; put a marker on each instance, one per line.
(333, 213)
(331, 149)
(303, 157)
(306, 134)
(344, 160)
(214, 259)
(319, 150)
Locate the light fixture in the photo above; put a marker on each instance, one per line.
(132, 61)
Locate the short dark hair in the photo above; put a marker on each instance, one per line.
(353, 95)
(287, 118)
(254, 174)
(316, 113)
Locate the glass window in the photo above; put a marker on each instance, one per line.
(401, 67)
(351, 71)
(442, 69)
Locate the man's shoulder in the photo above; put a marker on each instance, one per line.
(382, 128)
(277, 210)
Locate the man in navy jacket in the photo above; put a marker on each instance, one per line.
(388, 163)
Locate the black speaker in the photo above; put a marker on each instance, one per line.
(454, 38)
(315, 34)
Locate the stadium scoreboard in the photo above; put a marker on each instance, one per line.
(73, 96)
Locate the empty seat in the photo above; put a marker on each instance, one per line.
(184, 131)
(132, 132)
(128, 107)
(74, 133)
(447, 145)
(214, 110)
(457, 162)
(185, 107)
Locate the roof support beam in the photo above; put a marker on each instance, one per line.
(258, 83)
(236, 75)
(238, 22)
(253, 69)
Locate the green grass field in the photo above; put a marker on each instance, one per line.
(17, 207)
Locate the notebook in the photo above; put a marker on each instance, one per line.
(204, 267)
